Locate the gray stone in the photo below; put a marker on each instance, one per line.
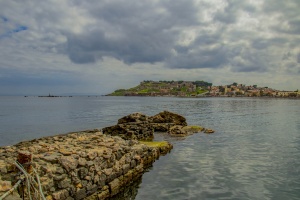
(89, 163)
(83, 172)
(177, 131)
(108, 171)
(80, 194)
(59, 170)
(82, 161)
(133, 164)
(5, 186)
(3, 168)
(68, 162)
(53, 158)
(168, 117)
(66, 183)
(114, 186)
(126, 168)
(91, 189)
(60, 195)
(60, 177)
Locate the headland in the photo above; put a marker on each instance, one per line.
(201, 89)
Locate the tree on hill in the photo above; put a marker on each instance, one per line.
(202, 83)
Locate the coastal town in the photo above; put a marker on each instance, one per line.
(201, 89)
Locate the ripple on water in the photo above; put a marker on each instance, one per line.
(254, 153)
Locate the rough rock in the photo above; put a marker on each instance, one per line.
(209, 131)
(177, 131)
(60, 195)
(135, 117)
(3, 168)
(138, 126)
(68, 162)
(168, 117)
(141, 127)
(193, 129)
(132, 130)
(161, 127)
(5, 186)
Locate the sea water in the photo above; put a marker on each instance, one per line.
(254, 153)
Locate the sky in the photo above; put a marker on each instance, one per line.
(98, 46)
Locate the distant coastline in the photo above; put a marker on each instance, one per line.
(52, 96)
(201, 89)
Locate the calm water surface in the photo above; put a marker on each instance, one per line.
(254, 153)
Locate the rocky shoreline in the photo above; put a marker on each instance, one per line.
(91, 164)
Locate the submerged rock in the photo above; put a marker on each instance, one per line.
(193, 129)
(209, 131)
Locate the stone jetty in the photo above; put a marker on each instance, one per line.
(91, 164)
(80, 165)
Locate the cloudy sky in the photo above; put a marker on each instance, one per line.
(97, 46)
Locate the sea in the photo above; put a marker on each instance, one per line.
(253, 154)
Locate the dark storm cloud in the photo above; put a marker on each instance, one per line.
(263, 43)
(201, 58)
(151, 32)
(238, 35)
(230, 13)
(288, 15)
(206, 51)
(133, 32)
(129, 48)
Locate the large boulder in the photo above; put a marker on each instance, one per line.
(168, 117)
(134, 117)
(133, 130)
(161, 127)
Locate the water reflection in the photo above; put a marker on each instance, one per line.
(253, 155)
(129, 192)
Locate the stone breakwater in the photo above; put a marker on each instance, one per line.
(93, 164)
(81, 165)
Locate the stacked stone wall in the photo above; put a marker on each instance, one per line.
(83, 165)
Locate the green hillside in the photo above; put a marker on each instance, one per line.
(165, 88)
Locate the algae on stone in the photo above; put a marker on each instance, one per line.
(155, 143)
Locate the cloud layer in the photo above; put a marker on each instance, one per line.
(227, 36)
